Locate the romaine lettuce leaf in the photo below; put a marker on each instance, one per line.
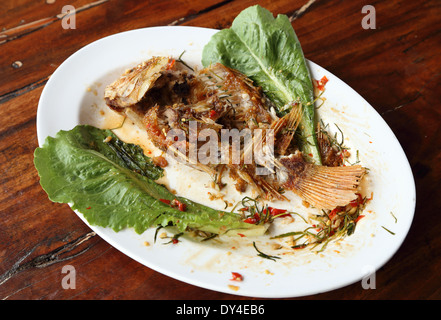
(112, 184)
(267, 50)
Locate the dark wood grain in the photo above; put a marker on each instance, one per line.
(394, 67)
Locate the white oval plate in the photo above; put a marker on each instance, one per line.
(74, 93)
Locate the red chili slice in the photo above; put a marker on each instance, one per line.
(236, 276)
(250, 220)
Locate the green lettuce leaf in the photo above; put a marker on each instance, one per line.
(112, 184)
(267, 50)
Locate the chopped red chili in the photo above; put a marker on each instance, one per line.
(334, 212)
(250, 220)
(181, 206)
(236, 276)
(170, 64)
(357, 202)
(278, 212)
(212, 114)
(165, 201)
(321, 83)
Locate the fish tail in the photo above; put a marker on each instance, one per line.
(327, 187)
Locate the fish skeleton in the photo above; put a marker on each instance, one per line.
(163, 94)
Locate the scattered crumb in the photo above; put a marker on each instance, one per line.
(276, 246)
(290, 241)
(234, 288)
(236, 277)
(146, 243)
(212, 196)
(268, 272)
(160, 161)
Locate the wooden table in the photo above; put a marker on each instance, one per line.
(395, 67)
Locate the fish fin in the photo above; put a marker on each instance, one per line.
(289, 122)
(181, 157)
(270, 192)
(328, 187)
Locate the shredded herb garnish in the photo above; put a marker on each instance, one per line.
(156, 233)
(264, 255)
(392, 233)
(299, 215)
(121, 125)
(330, 225)
(342, 136)
(183, 62)
(319, 97)
(394, 216)
(212, 236)
(333, 140)
(257, 214)
(175, 238)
